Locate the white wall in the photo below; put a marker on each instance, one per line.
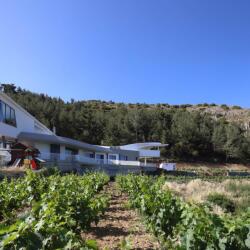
(42, 147)
(149, 153)
(25, 122)
(62, 152)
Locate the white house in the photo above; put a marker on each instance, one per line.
(18, 126)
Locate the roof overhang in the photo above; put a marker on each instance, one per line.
(36, 137)
(142, 146)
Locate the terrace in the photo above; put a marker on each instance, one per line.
(54, 157)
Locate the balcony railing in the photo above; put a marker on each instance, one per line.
(91, 161)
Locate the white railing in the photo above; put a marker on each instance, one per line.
(92, 161)
(127, 163)
(88, 160)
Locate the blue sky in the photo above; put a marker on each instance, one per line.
(171, 51)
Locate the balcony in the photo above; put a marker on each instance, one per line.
(90, 161)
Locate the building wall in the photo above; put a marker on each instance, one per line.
(131, 154)
(42, 147)
(85, 153)
(104, 154)
(25, 122)
(62, 152)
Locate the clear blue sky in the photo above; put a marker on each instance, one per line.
(189, 51)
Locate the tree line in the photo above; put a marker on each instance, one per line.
(191, 135)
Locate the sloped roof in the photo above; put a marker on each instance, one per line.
(60, 140)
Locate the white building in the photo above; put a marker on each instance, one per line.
(18, 126)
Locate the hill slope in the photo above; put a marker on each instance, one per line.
(195, 133)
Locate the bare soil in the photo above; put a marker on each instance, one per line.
(12, 171)
(120, 224)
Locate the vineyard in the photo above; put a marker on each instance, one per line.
(183, 225)
(49, 212)
(54, 211)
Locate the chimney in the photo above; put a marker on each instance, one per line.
(54, 129)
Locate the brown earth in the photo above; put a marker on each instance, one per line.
(120, 226)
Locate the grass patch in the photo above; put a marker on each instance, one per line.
(230, 195)
(222, 201)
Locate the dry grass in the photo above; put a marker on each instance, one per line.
(211, 166)
(12, 171)
(198, 190)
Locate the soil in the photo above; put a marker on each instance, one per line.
(120, 225)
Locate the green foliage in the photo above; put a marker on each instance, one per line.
(236, 107)
(221, 200)
(191, 135)
(50, 212)
(224, 106)
(181, 225)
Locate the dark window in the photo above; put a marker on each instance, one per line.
(92, 155)
(112, 157)
(71, 151)
(100, 156)
(55, 148)
(7, 114)
(123, 157)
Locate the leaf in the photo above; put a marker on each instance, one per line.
(247, 242)
(10, 238)
(8, 229)
(92, 244)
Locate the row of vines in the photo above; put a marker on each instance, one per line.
(181, 225)
(50, 212)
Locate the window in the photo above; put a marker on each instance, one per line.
(55, 148)
(100, 156)
(123, 157)
(7, 114)
(71, 151)
(112, 157)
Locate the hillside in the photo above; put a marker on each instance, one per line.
(194, 132)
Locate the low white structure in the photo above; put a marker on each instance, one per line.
(168, 166)
(17, 125)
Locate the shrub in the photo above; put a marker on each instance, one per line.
(221, 200)
(224, 106)
(236, 107)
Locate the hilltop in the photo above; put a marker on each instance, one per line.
(230, 113)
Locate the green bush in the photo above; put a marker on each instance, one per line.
(222, 200)
(236, 107)
(224, 106)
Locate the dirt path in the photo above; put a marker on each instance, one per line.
(120, 225)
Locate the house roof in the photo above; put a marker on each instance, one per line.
(27, 136)
(141, 146)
